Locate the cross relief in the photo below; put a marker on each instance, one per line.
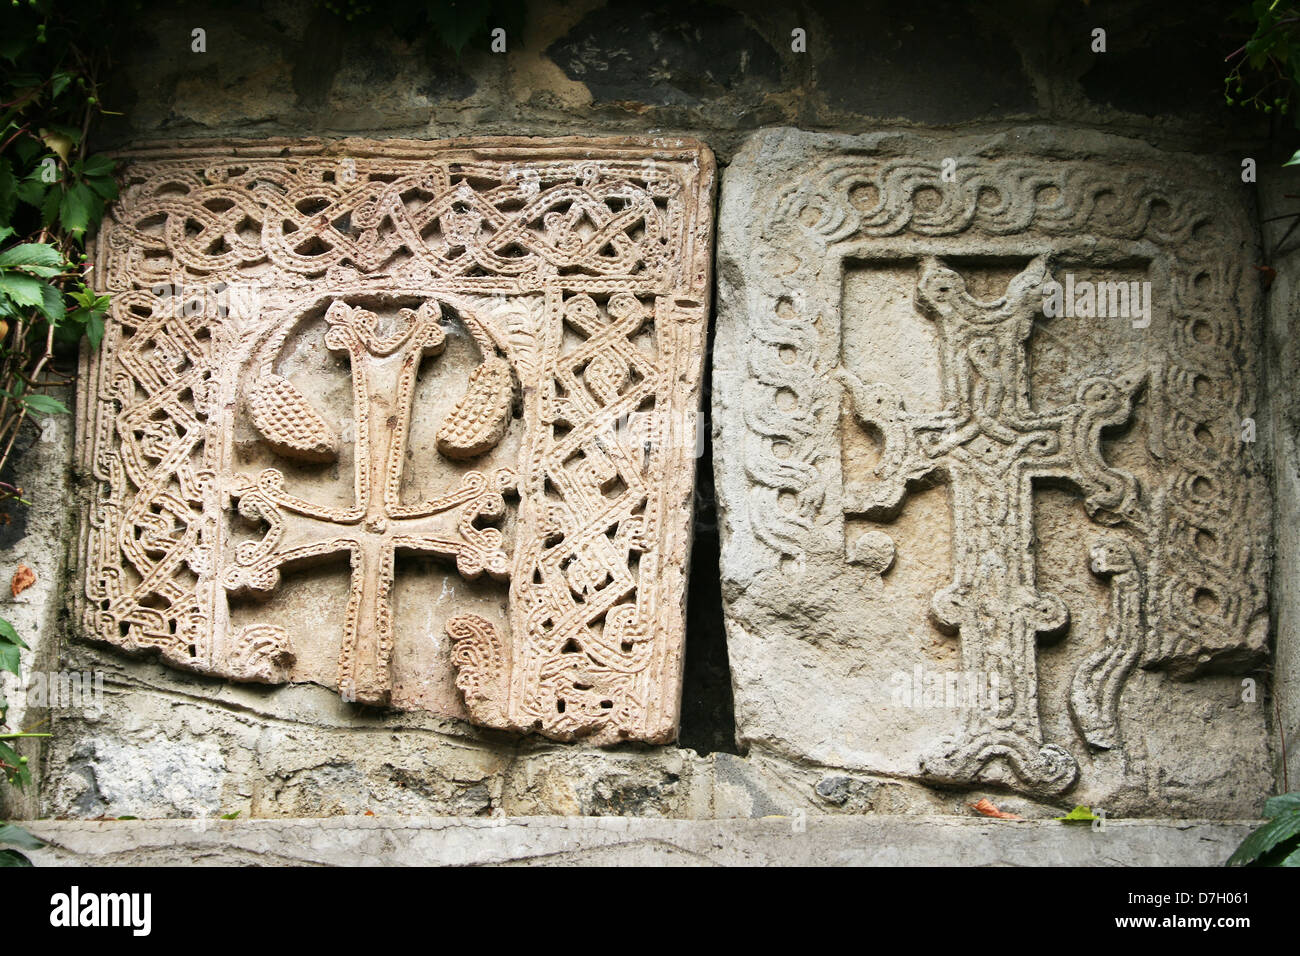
(384, 366)
(991, 446)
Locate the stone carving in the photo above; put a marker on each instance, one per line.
(1095, 690)
(915, 463)
(415, 421)
(992, 446)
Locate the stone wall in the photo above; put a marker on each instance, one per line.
(166, 744)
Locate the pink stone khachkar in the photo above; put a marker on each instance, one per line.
(414, 420)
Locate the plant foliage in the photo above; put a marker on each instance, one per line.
(53, 194)
(1276, 843)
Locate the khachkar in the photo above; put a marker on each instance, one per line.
(992, 513)
(412, 420)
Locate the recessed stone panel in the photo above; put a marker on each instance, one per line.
(992, 508)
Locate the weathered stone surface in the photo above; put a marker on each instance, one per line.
(468, 371)
(1277, 208)
(30, 535)
(967, 543)
(550, 841)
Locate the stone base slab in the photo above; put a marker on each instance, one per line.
(634, 841)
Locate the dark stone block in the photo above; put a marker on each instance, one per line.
(1161, 61)
(939, 65)
(677, 54)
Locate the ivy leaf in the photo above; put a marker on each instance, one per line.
(17, 836)
(1266, 838)
(45, 405)
(24, 290)
(7, 633)
(1282, 803)
(27, 148)
(105, 186)
(1079, 814)
(77, 209)
(50, 206)
(98, 165)
(32, 192)
(13, 46)
(94, 329)
(52, 305)
(9, 659)
(32, 254)
(59, 83)
(58, 142)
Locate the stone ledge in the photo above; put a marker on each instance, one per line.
(636, 841)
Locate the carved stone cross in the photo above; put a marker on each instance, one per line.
(991, 446)
(384, 367)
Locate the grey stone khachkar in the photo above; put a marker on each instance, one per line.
(412, 420)
(991, 511)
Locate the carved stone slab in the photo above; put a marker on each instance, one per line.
(412, 420)
(990, 516)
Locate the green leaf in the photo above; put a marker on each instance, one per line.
(7, 633)
(127, 817)
(98, 165)
(10, 658)
(230, 816)
(1079, 814)
(13, 858)
(1267, 837)
(5, 232)
(60, 83)
(50, 206)
(21, 775)
(32, 192)
(24, 290)
(77, 209)
(31, 254)
(13, 46)
(94, 329)
(1282, 803)
(52, 305)
(1295, 157)
(105, 186)
(45, 405)
(17, 836)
